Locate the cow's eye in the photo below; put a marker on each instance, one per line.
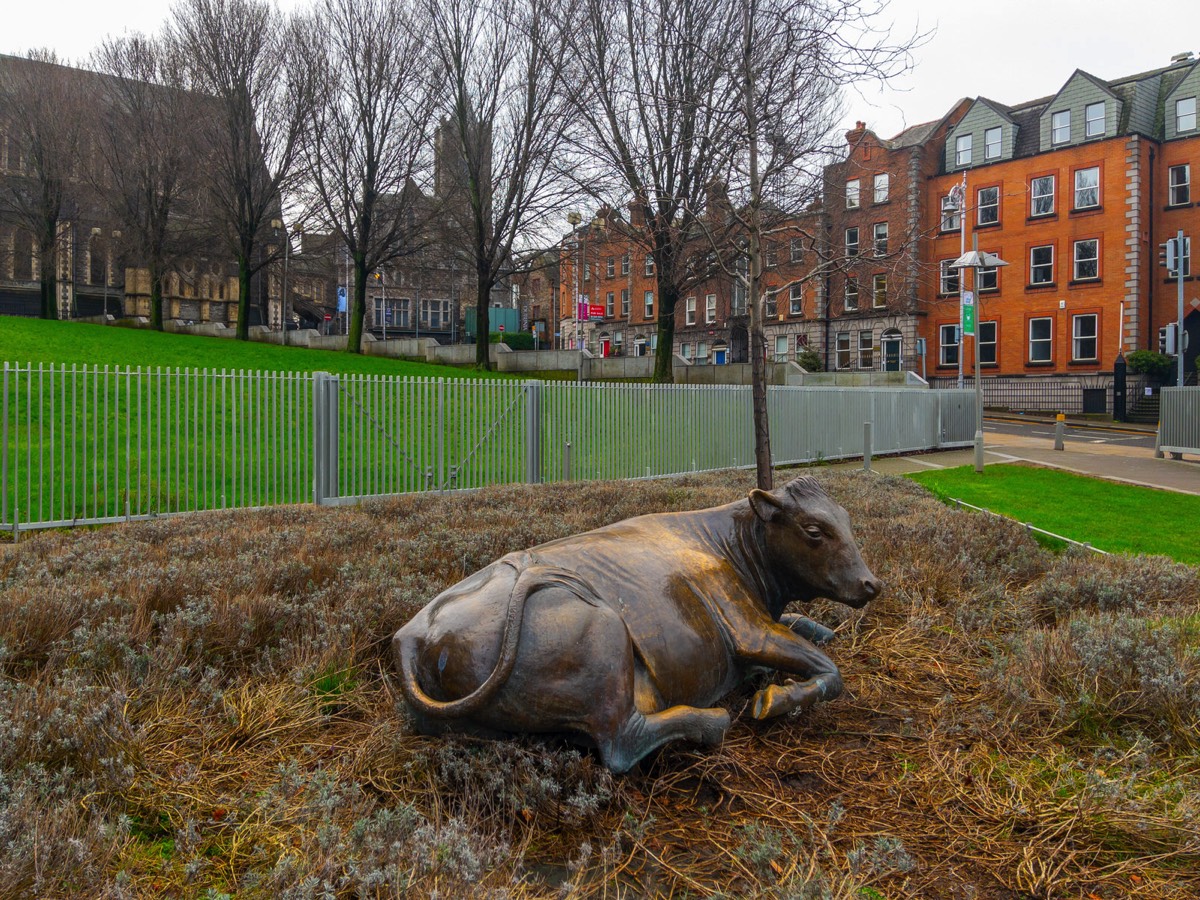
(814, 532)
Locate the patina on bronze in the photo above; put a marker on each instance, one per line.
(628, 635)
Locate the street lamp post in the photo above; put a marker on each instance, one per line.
(975, 260)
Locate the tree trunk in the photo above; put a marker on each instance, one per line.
(243, 325)
(358, 306)
(156, 298)
(754, 293)
(49, 298)
(664, 357)
(483, 328)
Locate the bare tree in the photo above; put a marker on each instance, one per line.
(369, 137)
(245, 53)
(144, 165)
(40, 109)
(654, 100)
(502, 62)
(793, 60)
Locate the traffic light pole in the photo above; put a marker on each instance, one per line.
(1179, 247)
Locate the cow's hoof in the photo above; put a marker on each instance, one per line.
(713, 727)
(768, 702)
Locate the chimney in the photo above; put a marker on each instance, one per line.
(1184, 57)
(636, 213)
(855, 135)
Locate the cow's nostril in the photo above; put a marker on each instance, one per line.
(872, 587)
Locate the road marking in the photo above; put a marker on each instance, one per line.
(1043, 433)
(921, 462)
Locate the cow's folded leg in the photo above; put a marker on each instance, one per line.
(779, 699)
(643, 733)
(807, 628)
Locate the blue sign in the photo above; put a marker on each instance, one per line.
(341, 298)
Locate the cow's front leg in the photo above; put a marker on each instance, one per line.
(778, 647)
(807, 628)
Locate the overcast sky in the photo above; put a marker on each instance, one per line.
(1008, 50)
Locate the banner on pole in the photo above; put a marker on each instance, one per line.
(968, 313)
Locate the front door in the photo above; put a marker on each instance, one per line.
(604, 345)
(719, 357)
(891, 354)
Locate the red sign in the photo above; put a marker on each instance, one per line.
(596, 311)
(501, 329)
(328, 317)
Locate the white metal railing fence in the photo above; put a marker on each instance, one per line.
(89, 445)
(1179, 415)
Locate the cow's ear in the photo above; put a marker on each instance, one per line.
(765, 505)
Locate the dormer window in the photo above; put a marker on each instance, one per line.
(962, 150)
(991, 143)
(1185, 114)
(1093, 118)
(1060, 127)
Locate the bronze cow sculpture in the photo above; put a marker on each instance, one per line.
(629, 634)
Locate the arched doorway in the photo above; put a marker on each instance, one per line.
(891, 347)
(739, 344)
(720, 353)
(605, 344)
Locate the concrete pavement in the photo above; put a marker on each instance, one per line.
(1131, 465)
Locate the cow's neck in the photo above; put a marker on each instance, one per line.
(744, 545)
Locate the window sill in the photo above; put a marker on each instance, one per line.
(987, 226)
(989, 365)
(1170, 207)
(991, 292)
(1086, 211)
(1040, 365)
(1041, 286)
(1172, 280)
(1085, 282)
(947, 231)
(880, 203)
(953, 367)
(1084, 362)
(1043, 217)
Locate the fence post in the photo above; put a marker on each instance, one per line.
(325, 437)
(533, 432)
(441, 434)
(866, 446)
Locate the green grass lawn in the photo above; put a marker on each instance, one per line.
(1119, 518)
(38, 341)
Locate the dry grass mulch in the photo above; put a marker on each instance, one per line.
(204, 707)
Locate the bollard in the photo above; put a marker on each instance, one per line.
(1060, 431)
(866, 446)
(1158, 451)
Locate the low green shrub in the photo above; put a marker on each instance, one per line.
(1148, 362)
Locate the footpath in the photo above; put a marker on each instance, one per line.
(1111, 461)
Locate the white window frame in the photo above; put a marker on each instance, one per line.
(649, 265)
(771, 305)
(1078, 340)
(781, 347)
(1048, 341)
(1035, 196)
(991, 209)
(842, 351)
(1081, 190)
(1185, 114)
(1179, 191)
(685, 350)
(1034, 266)
(610, 267)
(949, 279)
(849, 244)
(963, 152)
(689, 311)
(796, 300)
(702, 353)
(710, 309)
(881, 187)
(987, 279)
(877, 293)
(948, 350)
(795, 250)
(951, 215)
(1084, 259)
(625, 302)
(992, 142)
(1060, 127)
(852, 194)
(609, 305)
(866, 351)
(850, 294)
(1093, 126)
(988, 347)
(879, 238)
(625, 264)
(648, 298)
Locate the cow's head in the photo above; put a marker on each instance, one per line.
(809, 545)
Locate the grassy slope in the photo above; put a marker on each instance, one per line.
(206, 704)
(1119, 518)
(33, 340)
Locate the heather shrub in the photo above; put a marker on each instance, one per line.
(1106, 670)
(1138, 585)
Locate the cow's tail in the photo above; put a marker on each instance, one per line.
(529, 579)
